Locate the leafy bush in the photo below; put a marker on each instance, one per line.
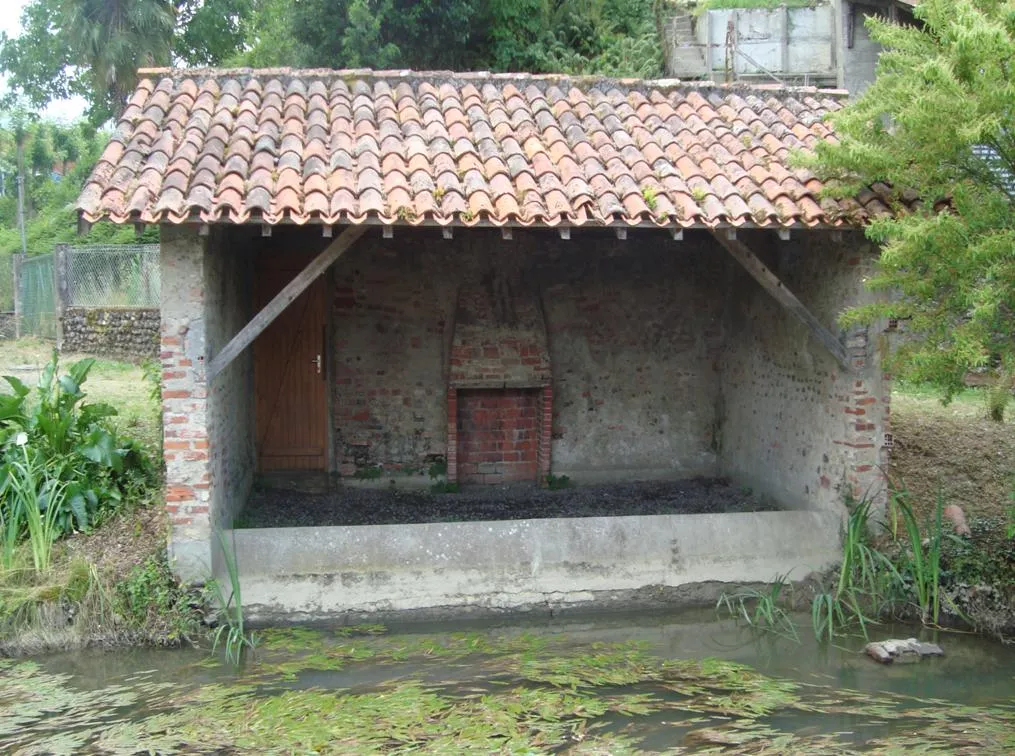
(152, 600)
(68, 445)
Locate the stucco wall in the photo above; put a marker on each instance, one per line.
(130, 334)
(794, 425)
(632, 330)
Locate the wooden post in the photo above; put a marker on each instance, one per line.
(61, 288)
(771, 283)
(283, 299)
(18, 305)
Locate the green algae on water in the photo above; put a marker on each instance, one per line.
(367, 692)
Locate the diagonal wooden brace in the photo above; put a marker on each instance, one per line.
(283, 299)
(771, 283)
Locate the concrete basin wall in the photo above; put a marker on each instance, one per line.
(470, 568)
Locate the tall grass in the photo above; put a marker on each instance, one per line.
(34, 500)
(920, 558)
(231, 631)
(863, 585)
(761, 610)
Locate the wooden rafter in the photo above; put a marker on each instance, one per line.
(771, 283)
(283, 299)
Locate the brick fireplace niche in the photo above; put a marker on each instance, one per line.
(500, 398)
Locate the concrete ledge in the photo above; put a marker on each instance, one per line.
(476, 568)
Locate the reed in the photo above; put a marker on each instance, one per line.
(231, 632)
(761, 610)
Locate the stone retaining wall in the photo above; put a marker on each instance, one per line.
(7, 329)
(454, 569)
(118, 333)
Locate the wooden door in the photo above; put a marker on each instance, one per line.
(290, 366)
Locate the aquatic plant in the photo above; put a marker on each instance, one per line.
(865, 575)
(230, 631)
(920, 559)
(511, 694)
(761, 610)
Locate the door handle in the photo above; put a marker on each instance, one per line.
(317, 361)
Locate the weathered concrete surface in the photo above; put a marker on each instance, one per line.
(551, 564)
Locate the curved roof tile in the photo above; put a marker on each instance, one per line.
(406, 147)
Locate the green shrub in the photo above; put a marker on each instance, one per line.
(80, 465)
(151, 600)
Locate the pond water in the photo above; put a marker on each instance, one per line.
(613, 684)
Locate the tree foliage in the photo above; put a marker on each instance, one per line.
(58, 160)
(609, 37)
(937, 126)
(93, 48)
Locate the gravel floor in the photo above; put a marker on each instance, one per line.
(273, 507)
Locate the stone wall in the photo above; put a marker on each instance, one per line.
(794, 425)
(633, 331)
(7, 325)
(205, 300)
(228, 302)
(665, 359)
(117, 333)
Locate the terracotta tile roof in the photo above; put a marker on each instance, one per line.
(275, 146)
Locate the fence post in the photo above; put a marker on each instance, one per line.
(61, 288)
(17, 295)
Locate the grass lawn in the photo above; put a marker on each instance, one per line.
(119, 384)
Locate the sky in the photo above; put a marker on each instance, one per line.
(10, 22)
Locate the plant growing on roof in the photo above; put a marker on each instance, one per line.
(649, 195)
(937, 123)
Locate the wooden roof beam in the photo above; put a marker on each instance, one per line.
(771, 283)
(315, 268)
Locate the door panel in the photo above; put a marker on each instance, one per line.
(290, 376)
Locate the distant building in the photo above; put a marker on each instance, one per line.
(825, 44)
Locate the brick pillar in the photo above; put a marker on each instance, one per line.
(863, 402)
(185, 401)
(545, 432)
(452, 434)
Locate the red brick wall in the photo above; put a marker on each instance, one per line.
(498, 435)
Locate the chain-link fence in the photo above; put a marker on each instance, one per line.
(114, 276)
(37, 296)
(6, 283)
(93, 276)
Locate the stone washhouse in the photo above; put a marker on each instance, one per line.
(511, 276)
